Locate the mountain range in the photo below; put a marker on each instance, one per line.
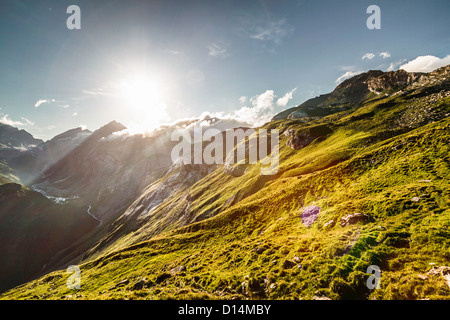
(362, 182)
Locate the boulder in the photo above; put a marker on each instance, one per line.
(176, 270)
(299, 141)
(310, 214)
(353, 218)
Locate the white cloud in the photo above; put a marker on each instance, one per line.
(27, 122)
(263, 101)
(425, 63)
(260, 110)
(243, 99)
(368, 56)
(96, 92)
(394, 65)
(385, 55)
(273, 31)
(283, 101)
(41, 101)
(263, 29)
(347, 75)
(75, 113)
(6, 120)
(65, 106)
(218, 50)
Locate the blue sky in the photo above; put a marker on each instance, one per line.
(147, 62)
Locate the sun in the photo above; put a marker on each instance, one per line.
(143, 96)
(140, 91)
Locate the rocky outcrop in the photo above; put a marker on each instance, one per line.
(392, 80)
(351, 92)
(298, 139)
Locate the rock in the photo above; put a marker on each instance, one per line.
(260, 250)
(272, 287)
(310, 214)
(122, 283)
(299, 141)
(391, 80)
(289, 133)
(329, 224)
(415, 199)
(288, 264)
(423, 276)
(353, 218)
(297, 114)
(321, 298)
(443, 271)
(176, 270)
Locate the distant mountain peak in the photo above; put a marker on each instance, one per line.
(108, 129)
(12, 137)
(71, 133)
(113, 125)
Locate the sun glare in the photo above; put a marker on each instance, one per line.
(143, 97)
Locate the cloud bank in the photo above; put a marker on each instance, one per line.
(425, 63)
(8, 121)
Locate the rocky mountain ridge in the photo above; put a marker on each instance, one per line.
(355, 90)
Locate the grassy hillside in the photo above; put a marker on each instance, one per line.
(7, 174)
(33, 230)
(243, 237)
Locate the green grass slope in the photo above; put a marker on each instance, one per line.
(243, 237)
